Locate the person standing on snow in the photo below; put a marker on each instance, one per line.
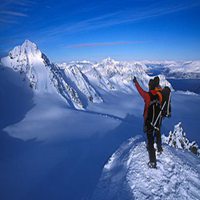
(150, 98)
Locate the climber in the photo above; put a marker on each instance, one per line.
(151, 115)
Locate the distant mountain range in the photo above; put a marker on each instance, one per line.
(78, 82)
(175, 69)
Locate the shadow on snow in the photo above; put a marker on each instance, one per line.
(63, 170)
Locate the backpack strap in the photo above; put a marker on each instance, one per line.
(154, 100)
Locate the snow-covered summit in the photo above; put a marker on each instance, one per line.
(47, 77)
(109, 61)
(29, 61)
(22, 55)
(29, 48)
(127, 176)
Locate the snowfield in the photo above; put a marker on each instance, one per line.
(127, 176)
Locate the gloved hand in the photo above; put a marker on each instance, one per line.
(134, 80)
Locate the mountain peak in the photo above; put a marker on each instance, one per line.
(28, 48)
(27, 43)
(29, 61)
(109, 60)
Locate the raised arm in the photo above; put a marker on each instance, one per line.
(139, 89)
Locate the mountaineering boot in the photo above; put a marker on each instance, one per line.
(152, 165)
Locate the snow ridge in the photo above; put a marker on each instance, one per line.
(127, 176)
(73, 74)
(64, 89)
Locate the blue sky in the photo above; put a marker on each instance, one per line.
(124, 30)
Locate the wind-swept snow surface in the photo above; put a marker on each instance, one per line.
(127, 176)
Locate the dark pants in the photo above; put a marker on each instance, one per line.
(158, 140)
(150, 146)
(151, 134)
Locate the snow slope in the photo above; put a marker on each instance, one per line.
(127, 176)
(48, 119)
(16, 97)
(75, 77)
(47, 150)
